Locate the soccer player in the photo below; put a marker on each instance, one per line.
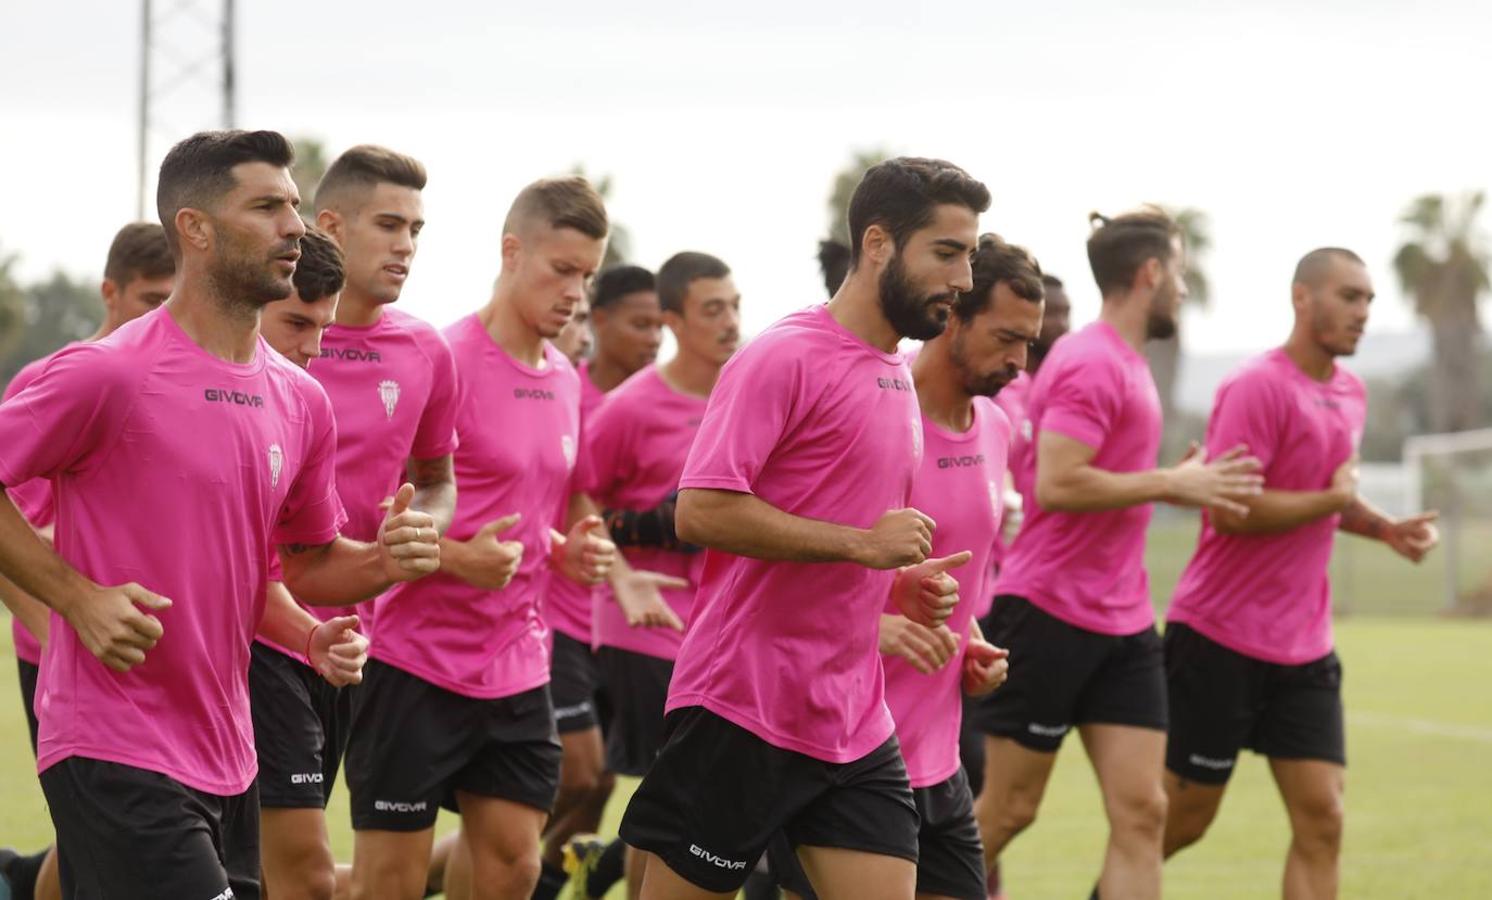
(636, 446)
(798, 483)
(1072, 602)
(138, 273)
(392, 385)
(1055, 322)
(928, 670)
(834, 264)
(454, 707)
(1249, 658)
(184, 417)
(627, 323)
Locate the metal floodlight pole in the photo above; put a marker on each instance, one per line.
(230, 106)
(144, 110)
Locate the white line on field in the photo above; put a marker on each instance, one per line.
(1422, 726)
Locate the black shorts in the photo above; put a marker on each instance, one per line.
(131, 834)
(580, 700)
(1062, 676)
(638, 684)
(971, 747)
(28, 673)
(1223, 701)
(414, 745)
(950, 855)
(300, 730)
(717, 794)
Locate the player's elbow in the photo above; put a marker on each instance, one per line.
(1052, 495)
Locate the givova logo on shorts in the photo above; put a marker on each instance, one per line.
(718, 862)
(400, 806)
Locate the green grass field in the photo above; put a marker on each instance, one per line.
(1419, 701)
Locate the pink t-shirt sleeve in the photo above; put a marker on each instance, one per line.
(751, 409)
(1245, 413)
(436, 435)
(313, 513)
(1084, 400)
(67, 418)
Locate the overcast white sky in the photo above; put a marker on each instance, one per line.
(1290, 126)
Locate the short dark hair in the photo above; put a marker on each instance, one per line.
(834, 264)
(1118, 247)
(900, 194)
(1314, 265)
(568, 202)
(367, 166)
(1051, 281)
(139, 250)
(994, 262)
(320, 272)
(616, 282)
(199, 170)
(682, 270)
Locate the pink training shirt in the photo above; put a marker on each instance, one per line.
(1088, 569)
(1268, 595)
(634, 457)
(567, 604)
(814, 421)
(1012, 400)
(519, 429)
(34, 500)
(960, 485)
(174, 469)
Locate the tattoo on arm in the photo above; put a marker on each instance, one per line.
(1362, 519)
(427, 472)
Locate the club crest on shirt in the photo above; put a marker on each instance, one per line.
(276, 464)
(567, 447)
(388, 392)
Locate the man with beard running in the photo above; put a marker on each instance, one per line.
(929, 670)
(184, 417)
(138, 274)
(1249, 657)
(1072, 603)
(798, 484)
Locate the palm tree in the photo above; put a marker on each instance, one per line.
(1443, 264)
(1165, 356)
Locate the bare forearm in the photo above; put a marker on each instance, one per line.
(1363, 518)
(31, 563)
(1273, 511)
(340, 573)
(1087, 488)
(31, 612)
(746, 525)
(434, 483)
(284, 622)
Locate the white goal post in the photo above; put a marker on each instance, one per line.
(1419, 451)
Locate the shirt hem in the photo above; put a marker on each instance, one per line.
(45, 761)
(716, 483)
(763, 731)
(462, 689)
(1220, 636)
(945, 773)
(1117, 627)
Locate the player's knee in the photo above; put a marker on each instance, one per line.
(1140, 813)
(1318, 824)
(580, 778)
(512, 865)
(1184, 828)
(1005, 817)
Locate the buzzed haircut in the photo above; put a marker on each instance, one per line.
(994, 262)
(363, 168)
(320, 272)
(834, 264)
(568, 202)
(682, 270)
(198, 171)
(1118, 247)
(901, 194)
(618, 281)
(1050, 281)
(139, 250)
(1314, 266)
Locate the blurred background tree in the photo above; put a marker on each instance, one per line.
(619, 244)
(1443, 265)
(308, 170)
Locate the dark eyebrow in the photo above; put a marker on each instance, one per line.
(400, 219)
(952, 244)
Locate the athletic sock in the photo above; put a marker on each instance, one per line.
(552, 880)
(609, 869)
(21, 871)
